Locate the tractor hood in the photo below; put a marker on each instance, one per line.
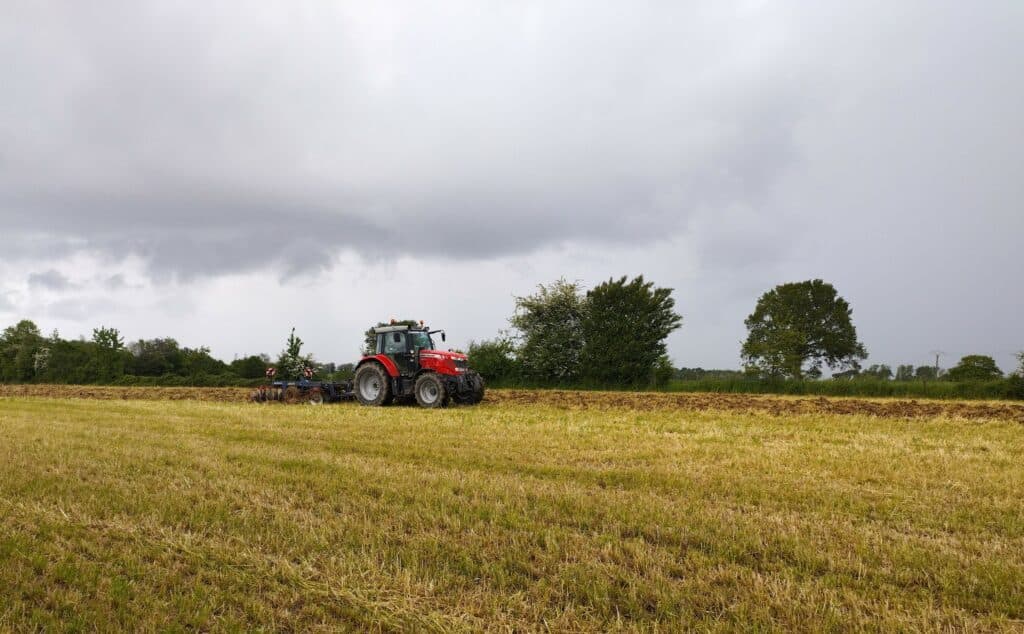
(442, 355)
(443, 361)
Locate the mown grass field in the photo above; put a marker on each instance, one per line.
(183, 515)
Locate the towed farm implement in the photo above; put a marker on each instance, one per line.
(405, 366)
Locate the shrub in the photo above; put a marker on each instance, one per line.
(495, 360)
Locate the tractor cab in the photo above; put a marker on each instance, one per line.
(403, 345)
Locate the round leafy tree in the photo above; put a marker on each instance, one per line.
(549, 331)
(975, 367)
(624, 330)
(797, 328)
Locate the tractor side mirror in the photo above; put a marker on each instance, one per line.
(443, 337)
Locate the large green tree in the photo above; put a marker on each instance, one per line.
(975, 367)
(797, 328)
(624, 330)
(155, 357)
(71, 362)
(111, 356)
(550, 333)
(19, 347)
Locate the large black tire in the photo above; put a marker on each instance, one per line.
(430, 391)
(372, 385)
(478, 390)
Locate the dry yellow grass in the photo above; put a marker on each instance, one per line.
(508, 516)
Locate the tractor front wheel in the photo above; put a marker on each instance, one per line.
(478, 390)
(372, 385)
(430, 391)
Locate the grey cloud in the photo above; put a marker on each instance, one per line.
(74, 309)
(52, 280)
(216, 142)
(874, 148)
(114, 282)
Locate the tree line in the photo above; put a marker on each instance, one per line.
(26, 355)
(612, 335)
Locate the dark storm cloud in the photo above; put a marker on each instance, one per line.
(220, 140)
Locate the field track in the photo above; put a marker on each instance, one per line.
(572, 399)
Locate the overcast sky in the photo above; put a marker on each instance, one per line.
(220, 173)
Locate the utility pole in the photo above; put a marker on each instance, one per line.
(937, 353)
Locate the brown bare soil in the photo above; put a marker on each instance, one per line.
(111, 393)
(758, 403)
(776, 405)
(571, 399)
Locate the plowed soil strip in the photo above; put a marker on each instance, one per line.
(648, 401)
(112, 393)
(570, 399)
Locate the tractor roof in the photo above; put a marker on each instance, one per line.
(380, 329)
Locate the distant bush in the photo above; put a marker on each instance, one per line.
(1015, 386)
(495, 360)
(697, 374)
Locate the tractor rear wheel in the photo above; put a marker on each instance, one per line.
(430, 391)
(372, 385)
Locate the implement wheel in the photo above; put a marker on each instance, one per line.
(292, 395)
(372, 385)
(430, 391)
(316, 396)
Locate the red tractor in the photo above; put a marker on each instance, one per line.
(407, 365)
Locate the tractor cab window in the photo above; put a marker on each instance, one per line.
(394, 343)
(421, 340)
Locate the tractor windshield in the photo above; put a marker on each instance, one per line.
(421, 340)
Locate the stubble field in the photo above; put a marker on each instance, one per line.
(536, 510)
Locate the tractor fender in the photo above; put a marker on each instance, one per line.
(423, 371)
(382, 359)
